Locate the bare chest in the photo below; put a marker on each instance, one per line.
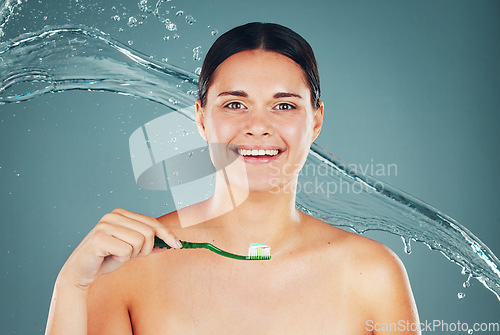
(242, 298)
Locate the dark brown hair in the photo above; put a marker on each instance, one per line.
(266, 36)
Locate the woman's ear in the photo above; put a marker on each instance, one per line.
(200, 119)
(318, 120)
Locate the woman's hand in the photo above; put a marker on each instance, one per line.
(118, 237)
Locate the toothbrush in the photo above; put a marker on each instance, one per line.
(256, 251)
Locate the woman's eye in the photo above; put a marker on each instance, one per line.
(284, 106)
(234, 105)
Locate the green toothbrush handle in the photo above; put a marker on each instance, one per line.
(194, 245)
(161, 244)
(185, 245)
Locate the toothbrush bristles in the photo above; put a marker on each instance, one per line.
(259, 251)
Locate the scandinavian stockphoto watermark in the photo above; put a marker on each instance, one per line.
(325, 179)
(438, 326)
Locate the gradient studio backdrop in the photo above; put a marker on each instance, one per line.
(411, 83)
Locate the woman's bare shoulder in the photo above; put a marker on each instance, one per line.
(374, 272)
(171, 220)
(360, 254)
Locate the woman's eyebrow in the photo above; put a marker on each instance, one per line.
(275, 96)
(235, 93)
(286, 95)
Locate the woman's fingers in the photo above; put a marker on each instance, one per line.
(135, 238)
(118, 237)
(146, 231)
(115, 253)
(159, 229)
(98, 253)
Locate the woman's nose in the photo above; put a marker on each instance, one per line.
(258, 123)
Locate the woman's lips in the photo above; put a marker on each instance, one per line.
(260, 159)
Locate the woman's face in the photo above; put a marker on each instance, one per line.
(258, 111)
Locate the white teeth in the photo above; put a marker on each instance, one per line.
(256, 152)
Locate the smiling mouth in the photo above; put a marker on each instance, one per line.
(258, 152)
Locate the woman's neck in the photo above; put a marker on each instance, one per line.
(262, 217)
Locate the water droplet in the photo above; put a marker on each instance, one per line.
(176, 36)
(179, 13)
(116, 17)
(190, 20)
(173, 139)
(470, 331)
(166, 38)
(175, 173)
(164, 59)
(130, 42)
(214, 32)
(197, 53)
(170, 25)
(461, 295)
(407, 243)
(197, 71)
(467, 282)
(143, 5)
(132, 21)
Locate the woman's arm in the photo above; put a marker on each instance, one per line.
(390, 297)
(108, 303)
(68, 309)
(118, 237)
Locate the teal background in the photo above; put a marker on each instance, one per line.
(412, 83)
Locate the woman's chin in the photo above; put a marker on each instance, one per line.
(259, 186)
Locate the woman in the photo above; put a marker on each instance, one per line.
(258, 90)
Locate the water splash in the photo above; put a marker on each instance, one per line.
(7, 10)
(68, 58)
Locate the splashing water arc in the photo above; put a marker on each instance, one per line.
(81, 58)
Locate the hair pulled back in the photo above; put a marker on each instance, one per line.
(265, 36)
